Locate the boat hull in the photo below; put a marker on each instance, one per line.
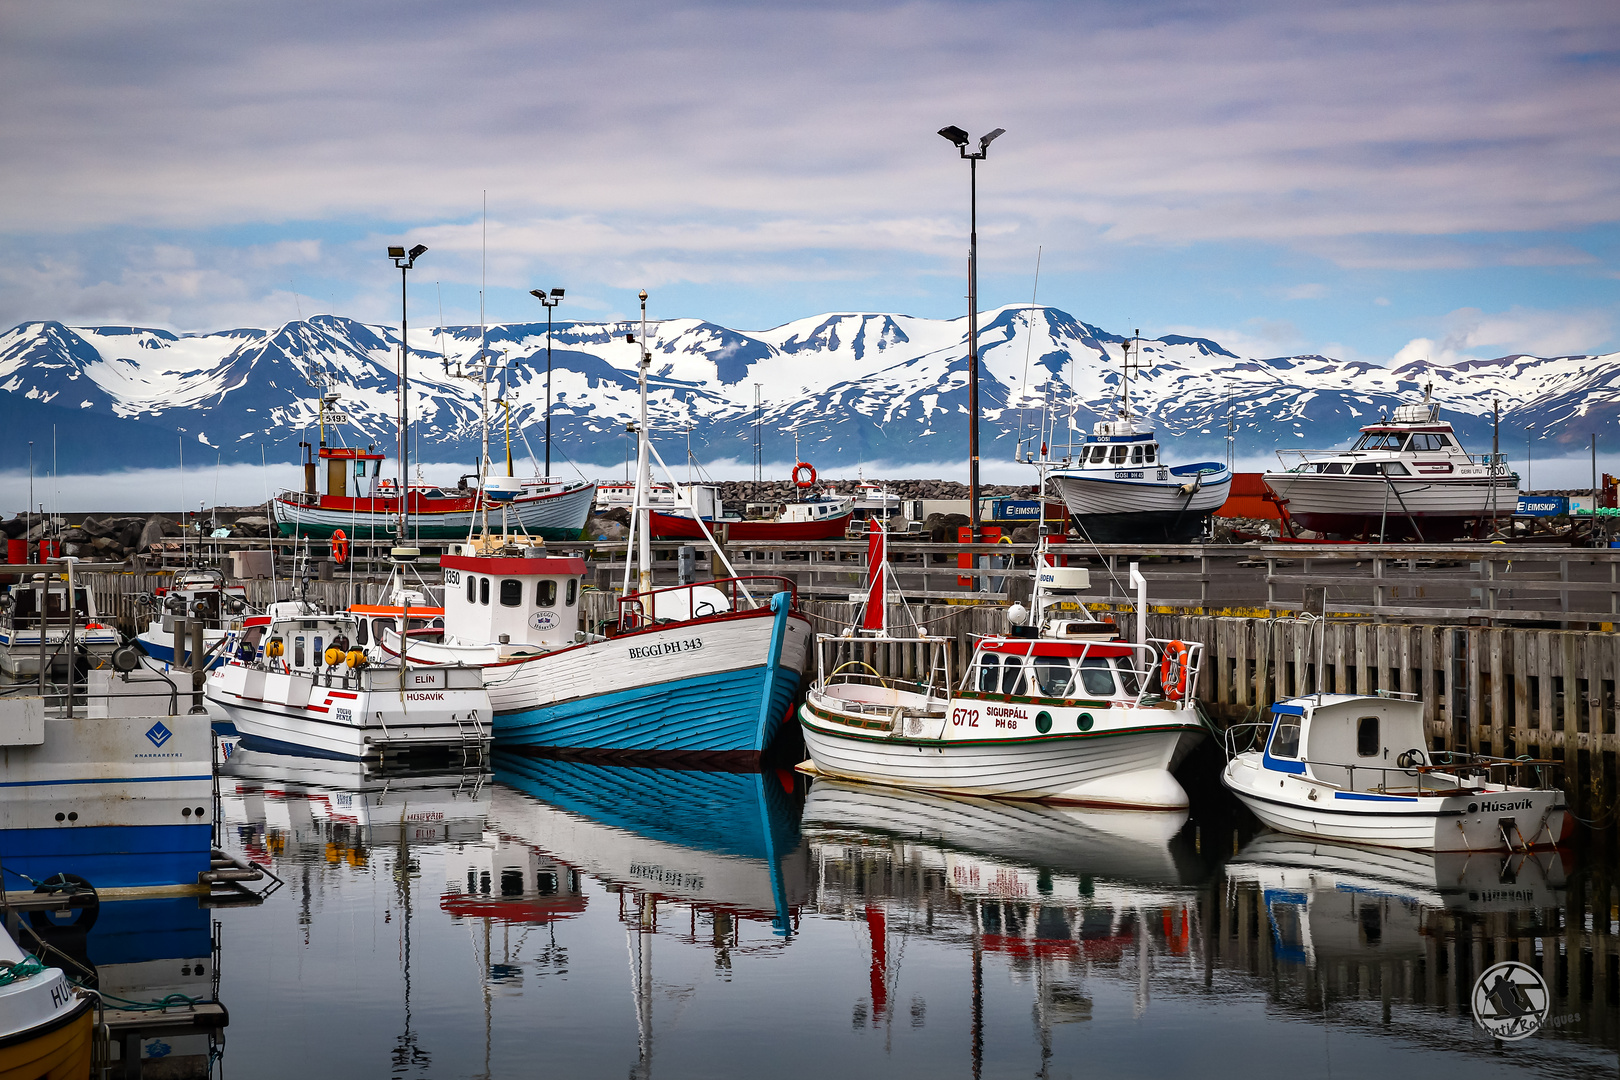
(1356, 506)
(711, 686)
(58, 1048)
(1124, 506)
(1128, 767)
(552, 516)
(1472, 821)
(19, 652)
(133, 786)
(675, 527)
(159, 645)
(441, 713)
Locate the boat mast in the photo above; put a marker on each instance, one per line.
(644, 467)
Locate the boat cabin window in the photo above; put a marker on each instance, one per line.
(298, 651)
(320, 650)
(1052, 674)
(1379, 440)
(1011, 675)
(483, 591)
(1331, 467)
(1098, 453)
(361, 632)
(1117, 454)
(1128, 682)
(1367, 737)
(989, 673)
(377, 628)
(1395, 468)
(511, 592)
(1152, 452)
(1096, 677)
(573, 591)
(472, 588)
(1136, 454)
(545, 593)
(1285, 736)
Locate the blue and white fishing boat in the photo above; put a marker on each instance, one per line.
(1120, 489)
(1355, 768)
(710, 668)
(119, 793)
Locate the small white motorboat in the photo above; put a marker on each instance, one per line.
(199, 596)
(296, 680)
(46, 1023)
(1353, 768)
(1061, 711)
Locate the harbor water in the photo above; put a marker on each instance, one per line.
(545, 917)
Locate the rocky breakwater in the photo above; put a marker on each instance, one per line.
(115, 538)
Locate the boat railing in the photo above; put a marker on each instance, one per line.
(752, 592)
(850, 654)
(1145, 666)
(1436, 773)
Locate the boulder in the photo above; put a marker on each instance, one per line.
(155, 530)
(14, 528)
(604, 529)
(105, 544)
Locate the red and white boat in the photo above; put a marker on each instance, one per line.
(822, 517)
(1407, 478)
(547, 508)
(1064, 711)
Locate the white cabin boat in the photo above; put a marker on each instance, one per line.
(200, 596)
(296, 680)
(1407, 478)
(39, 608)
(1121, 490)
(1063, 712)
(1354, 768)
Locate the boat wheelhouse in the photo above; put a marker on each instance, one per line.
(1355, 768)
(41, 618)
(1405, 478)
(297, 680)
(1062, 711)
(193, 597)
(546, 508)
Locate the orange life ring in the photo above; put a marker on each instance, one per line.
(1173, 671)
(799, 480)
(340, 547)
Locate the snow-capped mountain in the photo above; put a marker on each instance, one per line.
(835, 389)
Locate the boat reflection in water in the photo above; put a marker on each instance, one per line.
(1059, 894)
(691, 854)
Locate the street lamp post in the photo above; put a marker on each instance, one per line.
(550, 301)
(405, 261)
(960, 138)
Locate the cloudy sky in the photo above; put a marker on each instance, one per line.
(1363, 179)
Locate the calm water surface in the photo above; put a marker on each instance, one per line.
(557, 918)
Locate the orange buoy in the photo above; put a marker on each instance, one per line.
(804, 475)
(340, 547)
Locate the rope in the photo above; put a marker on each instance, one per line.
(26, 968)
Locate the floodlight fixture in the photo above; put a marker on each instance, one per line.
(984, 143)
(955, 134)
(395, 252)
(557, 292)
(550, 302)
(421, 248)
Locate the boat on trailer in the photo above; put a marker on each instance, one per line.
(1406, 478)
(1061, 711)
(1354, 768)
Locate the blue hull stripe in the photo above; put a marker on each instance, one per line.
(109, 856)
(103, 780)
(708, 713)
(164, 654)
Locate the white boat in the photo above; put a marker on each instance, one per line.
(296, 680)
(195, 596)
(46, 1023)
(1354, 768)
(1120, 489)
(1063, 711)
(119, 791)
(30, 610)
(1407, 478)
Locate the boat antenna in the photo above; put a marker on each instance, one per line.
(1029, 324)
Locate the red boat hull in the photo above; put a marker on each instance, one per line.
(672, 527)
